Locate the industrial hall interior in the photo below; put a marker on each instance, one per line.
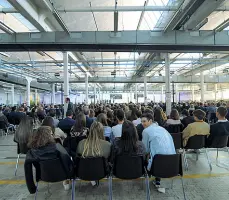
(114, 99)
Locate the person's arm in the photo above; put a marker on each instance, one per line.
(29, 176)
(145, 141)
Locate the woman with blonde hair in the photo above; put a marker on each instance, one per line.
(95, 145)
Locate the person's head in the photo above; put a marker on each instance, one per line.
(148, 110)
(41, 137)
(86, 110)
(92, 142)
(158, 115)
(120, 115)
(129, 137)
(221, 112)
(91, 113)
(69, 114)
(80, 122)
(21, 109)
(199, 115)
(48, 121)
(67, 100)
(102, 118)
(24, 129)
(13, 108)
(52, 113)
(138, 113)
(147, 119)
(110, 115)
(174, 115)
(185, 112)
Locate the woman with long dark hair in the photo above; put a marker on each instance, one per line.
(174, 118)
(128, 144)
(102, 118)
(158, 117)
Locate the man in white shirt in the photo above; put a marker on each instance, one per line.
(117, 130)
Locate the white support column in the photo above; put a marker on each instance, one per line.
(28, 81)
(167, 84)
(202, 87)
(66, 81)
(162, 93)
(136, 93)
(145, 89)
(131, 95)
(12, 95)
(53, 94)
(216, 90)
(36, 97)
(176, 93)
(99, 95)
(94, 93)
(86, 88)
(193, 93)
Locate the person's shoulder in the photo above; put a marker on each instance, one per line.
(105, 143)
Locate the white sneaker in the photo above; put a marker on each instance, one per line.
(161, 190)
(67, 186)
(93, 183)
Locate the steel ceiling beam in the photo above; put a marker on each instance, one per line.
(126, 41)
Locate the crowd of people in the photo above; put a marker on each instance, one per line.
(110, 130)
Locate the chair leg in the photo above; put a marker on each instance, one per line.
(147, 187)
(110, 187)
(73, 189)
(217, 154)
(185, 161)
(18, 157)
(35, 197)
(228, 150)
(197, 156)
(209, 162)
(172, 184)
(183, 188)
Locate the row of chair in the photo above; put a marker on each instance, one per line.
(125, 167)
(198, 142)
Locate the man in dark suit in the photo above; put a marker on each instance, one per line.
(66, 124)
(19, 115)
(221, 128)
(89, 121)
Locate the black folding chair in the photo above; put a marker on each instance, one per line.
(21, 149)
(177, 139)
(3, 128)
(219, 142)
(130, 167)
(92, 169)
(175, 128)
(167, 166)
(197, 142)
(52, 171)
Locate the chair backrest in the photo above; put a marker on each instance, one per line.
(53, 171)
(2, 125)
(128, 167)
(91, 168)
(175, 128)
(219, 142)
(177, 139)
(166, 166)
(196, 142)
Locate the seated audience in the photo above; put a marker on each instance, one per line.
(128, 144)
(19, 115)
(89, 120)
(110, 120)
(12, 115)
(158, 117)
(52, 114)
(138, 120)
(67, 123)
(43, 147)
(92, 115)
(78, 132)
(23, 132)
(221, 128)
(95, 145)
(117, 130)
(187, 119)
(156, 139)
(3, 118)
(174, 118)
(41, 114)
(102, 118)
(56, 132)
(199, 127)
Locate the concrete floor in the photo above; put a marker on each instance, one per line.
(199, 182)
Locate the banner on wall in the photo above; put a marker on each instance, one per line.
(116, 96)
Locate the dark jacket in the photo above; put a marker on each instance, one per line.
(66, 124)
(187, 120)
(89, 122)
(49, 152)
(4, 119)
(218, 129)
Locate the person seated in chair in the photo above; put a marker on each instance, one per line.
(43, 147)
(174, 118)
(221, 128)
(156, 139)
(187, 119)
(67, 123)
(199, 127)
